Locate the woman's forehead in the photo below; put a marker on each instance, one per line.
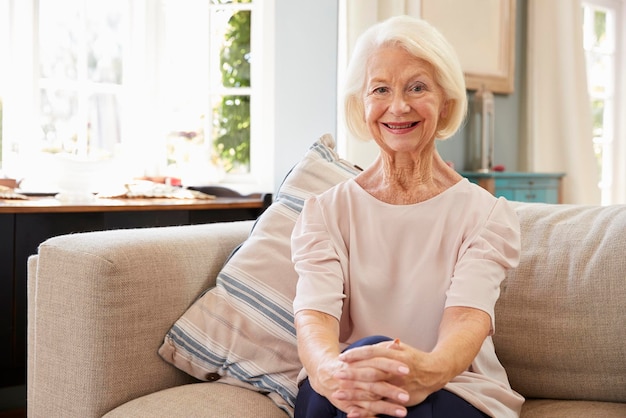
(395, 60)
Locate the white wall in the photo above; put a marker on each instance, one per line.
(306, 78)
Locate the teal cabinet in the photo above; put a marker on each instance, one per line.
(521, 187)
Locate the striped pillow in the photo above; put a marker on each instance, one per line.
(241, 331)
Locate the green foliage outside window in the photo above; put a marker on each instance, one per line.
(232, 115)
(599, 25)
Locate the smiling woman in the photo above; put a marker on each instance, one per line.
(166, 88)
(360, 289)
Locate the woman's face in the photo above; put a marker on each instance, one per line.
(403, 103)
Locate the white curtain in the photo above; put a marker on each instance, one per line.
(556, 123)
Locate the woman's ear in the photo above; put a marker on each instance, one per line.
(445, 109)
(444, 114)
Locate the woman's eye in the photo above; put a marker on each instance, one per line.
(418, 88)
(380, 90)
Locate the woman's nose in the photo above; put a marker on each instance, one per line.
(399, 105)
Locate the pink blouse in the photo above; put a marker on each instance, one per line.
(384, 269)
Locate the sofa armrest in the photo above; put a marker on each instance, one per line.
(99, 305)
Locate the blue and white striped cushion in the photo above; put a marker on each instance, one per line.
(242, 329)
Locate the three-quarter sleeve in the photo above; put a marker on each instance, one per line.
(490, 252)
(317, 262)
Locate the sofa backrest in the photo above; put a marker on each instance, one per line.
(561, 318)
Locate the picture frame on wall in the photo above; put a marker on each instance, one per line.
(483, 35)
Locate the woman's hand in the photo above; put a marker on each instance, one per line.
(367, 394)
(462, 331)
(366, 384)
(405, 372)
(357, 399)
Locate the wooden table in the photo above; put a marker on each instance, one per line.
(24, 224)
(48, 204)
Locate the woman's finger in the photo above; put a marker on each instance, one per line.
(380, 407)
(374, 369)
(371, 391)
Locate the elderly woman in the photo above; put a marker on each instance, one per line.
(399, 268)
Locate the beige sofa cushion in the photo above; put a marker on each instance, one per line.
(561, 317)
(548, 408)
(200, 400)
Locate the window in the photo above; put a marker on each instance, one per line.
(163, 88)
(79, 90)
(603, 20)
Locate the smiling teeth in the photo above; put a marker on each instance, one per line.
(403, 126)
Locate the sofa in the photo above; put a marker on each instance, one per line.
(100, 303)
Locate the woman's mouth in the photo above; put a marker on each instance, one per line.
(399, 126)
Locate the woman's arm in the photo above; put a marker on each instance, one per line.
(461, 335)
(318, 348)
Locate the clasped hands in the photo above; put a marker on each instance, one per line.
(383, 378)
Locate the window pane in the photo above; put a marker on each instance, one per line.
(598, 117)
(106, 27)
(231, 113)
(185, 138)
(235, 52)
(598, 148)
(599, 28)
(58, 120)
(184, 45)
(59, 21)
(600, 73)
(231, 32)
(232, 132)
(103, 125)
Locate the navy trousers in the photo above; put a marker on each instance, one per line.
(440, 404)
